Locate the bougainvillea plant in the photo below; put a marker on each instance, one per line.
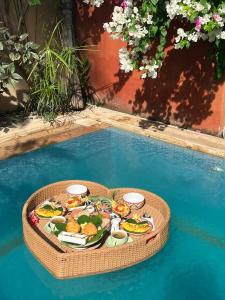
(144, 25)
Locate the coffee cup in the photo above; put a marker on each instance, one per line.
(119, 237)
(58, 220)
(54, 221)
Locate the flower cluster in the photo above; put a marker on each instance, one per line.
(130, 25)
(144, 23)
(207, 21)
(96, 3)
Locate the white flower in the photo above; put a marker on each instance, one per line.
(199, 7)
(222, 9)
(149, 19)
(205, 19)
(96, 3)
(222, 35)
(148, 68)
(125, 60)
(132, 25)
(172, 8)
(181, 33)
(135, 10)
(193, 37)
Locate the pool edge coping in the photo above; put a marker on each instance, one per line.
(43, 137)
(40, 134)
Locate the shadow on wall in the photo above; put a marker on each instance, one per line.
(182, 94)
(93, 20)
(184, 91)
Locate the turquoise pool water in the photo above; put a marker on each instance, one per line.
(191, 266)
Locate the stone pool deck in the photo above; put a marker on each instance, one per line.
(34, 133)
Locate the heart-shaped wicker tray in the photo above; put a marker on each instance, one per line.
(64, 262)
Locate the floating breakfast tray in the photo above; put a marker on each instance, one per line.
(64, 262)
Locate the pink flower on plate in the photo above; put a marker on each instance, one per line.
(217, 18)
(198, 24)
(33, 218)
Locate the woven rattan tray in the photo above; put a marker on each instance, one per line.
(64, 262)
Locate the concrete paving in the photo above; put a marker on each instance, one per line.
(35, 133)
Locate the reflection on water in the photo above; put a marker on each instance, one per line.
(86, 285)
(189, 267)
(192, 281)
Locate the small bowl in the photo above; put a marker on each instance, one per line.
(58, 220)
(134, 200)
(77, 190)
(119, 237)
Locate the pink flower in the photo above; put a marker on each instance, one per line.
(33, 218)
(121, 3)
(198, 24)
(217, 18)
(124, 4)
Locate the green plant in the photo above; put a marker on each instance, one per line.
(52, 78)
(16, 57)
(83, 69)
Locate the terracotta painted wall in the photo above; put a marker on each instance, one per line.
(185, 93)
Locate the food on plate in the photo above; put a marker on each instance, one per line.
(136, 228)
(121, 209)
(72, 226)
(82, 229)
(74, 202)
(105, 215)
(89, 229)
(136, 225)
(90, 224)
(48, 211)
(101, 203)
(105, 223)
(72, 238)
(76, 212)
(95, 219)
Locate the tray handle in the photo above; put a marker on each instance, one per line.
(152, 235)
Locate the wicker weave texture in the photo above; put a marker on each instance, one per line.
(66, 264)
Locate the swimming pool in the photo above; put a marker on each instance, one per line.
(191, 266)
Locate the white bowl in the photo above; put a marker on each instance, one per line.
(134, 200)
(77, 189)
(61, 218)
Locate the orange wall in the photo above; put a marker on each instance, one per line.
(184, 94)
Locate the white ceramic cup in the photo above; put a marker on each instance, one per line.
(119, 240)
(60, 219)
(77, 190)
(52, 223)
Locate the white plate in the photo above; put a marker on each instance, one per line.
(88, 245)
(76, 207)
(133, 198)
(76, 189)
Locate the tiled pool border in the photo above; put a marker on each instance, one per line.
(36, 133)
(41, 138)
